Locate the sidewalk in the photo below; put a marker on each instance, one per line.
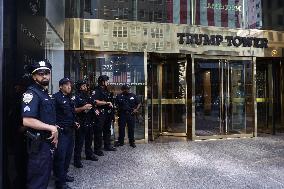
(238, 163)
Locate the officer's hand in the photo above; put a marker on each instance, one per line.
(77, 125)
(54, 135)
(135, 111)
(110, 104)
(88, 107)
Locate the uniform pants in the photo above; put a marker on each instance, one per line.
(102, 131)
(39, 167)
(62, 156)
(122, 121)
(84, 133)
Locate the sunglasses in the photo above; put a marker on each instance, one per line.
(42, 73)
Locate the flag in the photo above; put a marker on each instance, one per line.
(220, 13)
(120, 77)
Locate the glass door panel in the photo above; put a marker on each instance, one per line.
(153, 102)
(223, 96)
(268, 95)
(240, 112)
(173, 95)
(167, 92)
(207, 97)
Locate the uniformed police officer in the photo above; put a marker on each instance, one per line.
(85, 117)
(128, 105)
(38, 111)
(103, 98)
(65, 120)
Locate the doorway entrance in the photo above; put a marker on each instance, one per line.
(223, 97)
(167, 95)
(269, 98)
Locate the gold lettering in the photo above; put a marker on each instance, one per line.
(238, 8)
(220, 6)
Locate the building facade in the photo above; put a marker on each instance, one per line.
(203, 69)
(188, 77)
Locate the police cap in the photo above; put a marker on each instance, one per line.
(79, 83)
(64, 80)
(103, 78)
(41, 65)
(125, 87)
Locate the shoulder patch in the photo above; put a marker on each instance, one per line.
(27, 97)
(27, 109)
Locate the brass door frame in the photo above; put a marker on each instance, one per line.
(228, 58)
(162, 101)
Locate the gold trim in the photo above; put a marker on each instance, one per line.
(261, 100)
(264, 99)
(173, 134)
(216, 137)
(238, 100)
(167, 101)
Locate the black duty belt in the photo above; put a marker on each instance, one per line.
(65, 130)
(127, 112)
(103, 111)
(38, 135)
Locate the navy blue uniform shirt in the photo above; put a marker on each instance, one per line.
(38, 104)
(100, 93)
(84, 117)
(127, 102)
(65, 110)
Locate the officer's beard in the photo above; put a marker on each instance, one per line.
(43, 83)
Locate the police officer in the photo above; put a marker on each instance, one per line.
(38, 111)
(128, 105)
(103, 98)
(85, 117)
(65, 120)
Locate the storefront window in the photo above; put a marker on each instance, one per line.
(121, 69)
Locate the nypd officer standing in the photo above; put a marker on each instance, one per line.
(85, 117)
(128, 105)
(38, 111)
(65, 119)
(103, 98)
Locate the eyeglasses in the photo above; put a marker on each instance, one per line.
(42, 73)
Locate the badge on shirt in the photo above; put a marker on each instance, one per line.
(73, 98)
(27, 97)
(27, 109)
(132, 98)
(94, 92)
